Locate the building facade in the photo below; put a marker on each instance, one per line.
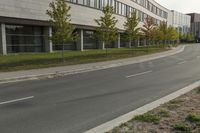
(181, 21)
(24, 25)
(195, 25)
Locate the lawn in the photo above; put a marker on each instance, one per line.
(14, 62)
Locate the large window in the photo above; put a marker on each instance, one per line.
(89, 41)
(21, 38)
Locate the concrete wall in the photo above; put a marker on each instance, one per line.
(1, 45)
(29, 9)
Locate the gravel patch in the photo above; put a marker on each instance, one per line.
(181, 115)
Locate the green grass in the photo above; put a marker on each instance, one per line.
(193, 118)
(148, 117)
(182, 127)
(174, 104)
(43, 60)
(163, 113)
(198, 90)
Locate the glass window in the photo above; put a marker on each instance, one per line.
(80, 2)
(24, 38)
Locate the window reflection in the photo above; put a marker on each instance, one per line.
(24, 38)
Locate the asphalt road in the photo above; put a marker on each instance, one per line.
(76, 103)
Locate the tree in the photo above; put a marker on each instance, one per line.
(148, 28)
(163, 31)
(156, 35)
(131, 27)
(172, 34)
(106, 30)
(63, 31)
(190, 37)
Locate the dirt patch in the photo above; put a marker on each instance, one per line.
(181, 115)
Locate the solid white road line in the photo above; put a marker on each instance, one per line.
(138, 74)
(16, 100)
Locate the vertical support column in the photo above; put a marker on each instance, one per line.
(103, 45)
(119, 41)
(3, 48)
(47, 42)
(138, 41)
(80, 42)
(50, 41)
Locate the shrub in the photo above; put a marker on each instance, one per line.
(194, 118)
(198, 90)
(147, 117)
(182, 127)
(163, 113)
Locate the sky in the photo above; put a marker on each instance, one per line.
(183, 6)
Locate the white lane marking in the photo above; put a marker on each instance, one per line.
(16, 100)
(138, 74)
(181, 62)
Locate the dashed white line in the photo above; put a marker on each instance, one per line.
(138, 74)
(176, 58)
(16, 100)
(182, 62)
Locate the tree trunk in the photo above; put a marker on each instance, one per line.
(106, 49)
(138, 42)
(63, 58)
(129, 44)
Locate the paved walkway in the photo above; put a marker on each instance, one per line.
(66, 70)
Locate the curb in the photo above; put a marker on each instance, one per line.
(144, 109)
(88, 69)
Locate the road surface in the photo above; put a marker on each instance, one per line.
(76, 103)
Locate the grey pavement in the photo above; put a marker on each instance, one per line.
(76, 103)
(67, 70)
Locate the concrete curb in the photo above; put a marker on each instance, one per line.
(94, 68)
(148, 107)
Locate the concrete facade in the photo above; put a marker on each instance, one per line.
(181, 21)
(3, 40)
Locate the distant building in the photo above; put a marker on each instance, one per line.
(181, 21)
(195, 25)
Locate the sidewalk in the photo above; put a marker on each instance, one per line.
(35, 74)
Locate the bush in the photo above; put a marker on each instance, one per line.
(198, 90)
(174, 104)
(163, 113)
(194, 118)
(147, 117)
(182, 127)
